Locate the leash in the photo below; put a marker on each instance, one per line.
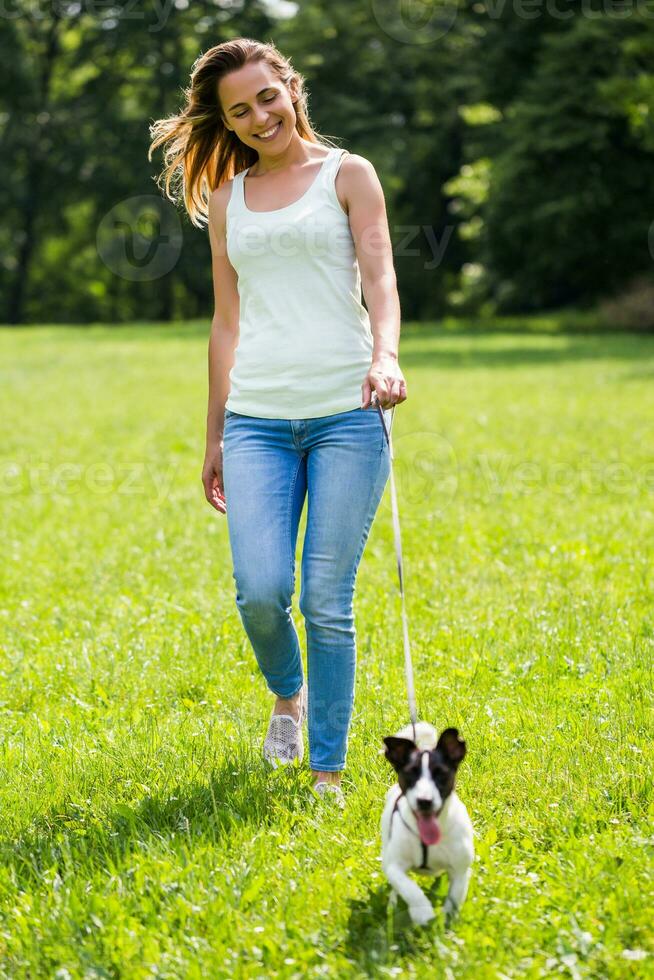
(408, 665)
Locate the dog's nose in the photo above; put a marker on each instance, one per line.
(424, 803)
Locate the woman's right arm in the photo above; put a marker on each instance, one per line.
(222, 345)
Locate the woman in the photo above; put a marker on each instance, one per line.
(296, 227)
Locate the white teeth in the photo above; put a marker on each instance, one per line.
(268, 132)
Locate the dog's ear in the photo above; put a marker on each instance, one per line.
(398, 751)
(452, 746)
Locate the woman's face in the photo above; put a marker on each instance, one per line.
(254, 100)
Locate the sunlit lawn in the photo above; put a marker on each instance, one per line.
(141, 833)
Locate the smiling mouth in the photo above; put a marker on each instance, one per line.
(271, 135)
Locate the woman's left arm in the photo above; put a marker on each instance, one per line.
(364, 196)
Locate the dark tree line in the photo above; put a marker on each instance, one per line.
(515, 149)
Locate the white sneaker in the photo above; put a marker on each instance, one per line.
(330, 792)
(284, 742)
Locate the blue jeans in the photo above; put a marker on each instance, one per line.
(341, 464)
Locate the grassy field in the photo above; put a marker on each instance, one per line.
(141, 833)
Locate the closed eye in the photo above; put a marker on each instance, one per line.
(240, 114)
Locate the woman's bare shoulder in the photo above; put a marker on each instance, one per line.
(357, 165)
(356, 174)
(220, 197)
(218, 201)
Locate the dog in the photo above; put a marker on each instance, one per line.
(424, 826)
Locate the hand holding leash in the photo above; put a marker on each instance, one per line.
(384, 378)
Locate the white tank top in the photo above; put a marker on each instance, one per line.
(305, 343)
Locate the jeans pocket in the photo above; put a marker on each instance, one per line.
(385, 427)
(387, 419)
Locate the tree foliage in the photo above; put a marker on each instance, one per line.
(514, 149)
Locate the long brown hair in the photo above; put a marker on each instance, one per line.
(200, 152)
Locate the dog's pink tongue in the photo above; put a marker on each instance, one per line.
(430, 832)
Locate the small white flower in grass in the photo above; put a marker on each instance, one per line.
(634, 954)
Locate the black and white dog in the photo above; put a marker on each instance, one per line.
(425, 827)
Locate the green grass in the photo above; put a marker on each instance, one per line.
(141, 834)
